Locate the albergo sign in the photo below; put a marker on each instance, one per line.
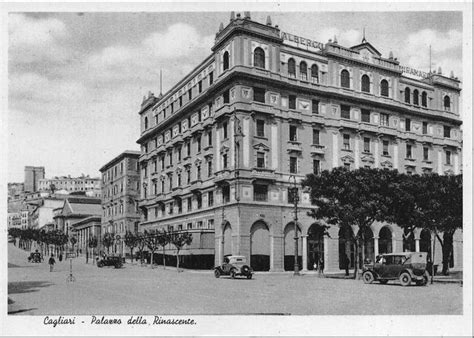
(302, 41)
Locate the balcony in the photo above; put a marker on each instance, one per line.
(222, 175)
(294, 146)
(318, 149)
(263, 173)
(368, 127)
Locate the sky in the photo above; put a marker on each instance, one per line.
(76, 80)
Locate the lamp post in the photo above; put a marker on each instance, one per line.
(294, 194)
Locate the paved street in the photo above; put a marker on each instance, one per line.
(142, 290)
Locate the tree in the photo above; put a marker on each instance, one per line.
(141, 244)
(108, 240)
(180, 239)
(152, 242)
(349, 199)
(163, 240)
(92, 243)
(73, 241)
(52, 187)
(131, 241)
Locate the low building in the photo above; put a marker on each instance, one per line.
(84, 230)
(74, 210)
(70, 184)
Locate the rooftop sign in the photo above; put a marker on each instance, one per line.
(302, 42)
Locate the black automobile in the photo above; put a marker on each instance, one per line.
(234, 266)
(115, 261)
(35, 257)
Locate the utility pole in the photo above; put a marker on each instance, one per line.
(294, 193)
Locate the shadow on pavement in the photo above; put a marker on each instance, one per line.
(20, 311)
(23, 287)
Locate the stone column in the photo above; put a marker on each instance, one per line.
(394, 243)
(417, 245)
(396, 142)
(376, 246)
(358, 139)
(335, 148)
(326, 252)
(305, 253)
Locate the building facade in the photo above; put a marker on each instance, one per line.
(120, 193)
(219, 150)
(84, 230)
(71, 184)
(32, 177)
(75, 209)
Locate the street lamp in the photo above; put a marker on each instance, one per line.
(294, 194)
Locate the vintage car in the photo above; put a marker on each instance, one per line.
(35, 257)
(234, 266)
(407, 267)
(115, 261)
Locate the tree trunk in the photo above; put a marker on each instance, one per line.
(356, 260)
(164, 260)
(151, 259)
(177, 260)
(131, 255)
(447, 251)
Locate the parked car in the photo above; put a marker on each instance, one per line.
(115, 261)
(35, 257)
(234, 266)
(407, 267)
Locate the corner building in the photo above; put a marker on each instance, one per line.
(219, 148)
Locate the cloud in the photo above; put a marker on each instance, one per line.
(348, 38)
(33, 40)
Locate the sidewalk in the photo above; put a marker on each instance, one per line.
(454, 277)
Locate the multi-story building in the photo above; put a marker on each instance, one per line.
(32, 177)
(120, 193)
(220, 147)
(42, 214)
(70, 184)
(15, 190)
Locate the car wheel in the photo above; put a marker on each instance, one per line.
(232, 273)
(217, 273)
(383, 281)
(249, 276)
(368, 277)
(424, 281)
(100, 264)
(405, 279)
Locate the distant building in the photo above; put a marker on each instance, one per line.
(71, 184)
(74, 210)
(32, 177)
(85, 229)
(42, 214)
(14, 220)
(120, 192)
(15, 190)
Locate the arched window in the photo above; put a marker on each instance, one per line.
(259, 58)
(304, 70)
(416, 97)
(345, 79)
(291, 68)
(447, 103)
(365, 83)
(226, 60)
(315, 73)
(384, 88)
(407, 95)
(146, 122)
(424, 99)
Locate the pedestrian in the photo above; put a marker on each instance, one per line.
(60, 257)
(321, 266)
(51, 263)
(346, 263)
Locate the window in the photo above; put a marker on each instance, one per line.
(407, 124)
(224, 161)
(425, 128)
(448, 157)
(366, 115)
(171, 208)
(188, 176)
(408, 150)
(292, 196)
(447, 131)
(345, 112)
(259, 58)
(345, 79)
(189, 226)
(303, 70)
(426, 153)
(407, 95)
(171, 182)
(199, 201)
(226, 60)
(315, 136)
(163, 187)
(316, 167)
(211, 78)
(315, 106)
(180, 100)
(179, 180)
(260, 192)
(146, 122)
(210, 198)
(261, 128)
(209, 138)
(447, 103)
(293, 165)
(366, 144)
(314, 73)
(198, 169)
(292, 102)
(259, 94)
(384, 88)
(190, 205)
(200, 86)
(384, 120)
(291, 68)
(170, 158)
(346, 141)
(224, 130)
(198, 143)
(365, 83)
(210, 224)
(226, 96)
(293, 134)
(424, 99)
(226, 193)
(209, 169)
(416, 96)
(260, 160)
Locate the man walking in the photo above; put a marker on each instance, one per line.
(51, 263)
